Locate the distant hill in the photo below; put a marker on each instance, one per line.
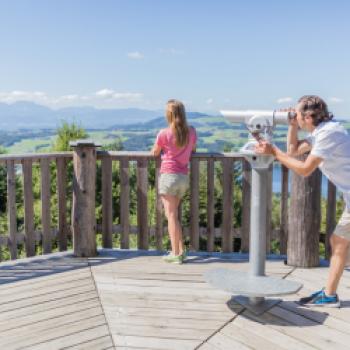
(34, 116)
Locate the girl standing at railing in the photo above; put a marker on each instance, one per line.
(175, 143)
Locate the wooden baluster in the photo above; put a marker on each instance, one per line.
(28, 207)
(45, 205)
(159, 210)
(11, 208)
(194, 204)
(331, 216)
(226, 231)
(284, 209)
(142, 208)
(107, 213)
(246, 203)
(124, 203)
(269, 209)
(210, 205)
(61, 164)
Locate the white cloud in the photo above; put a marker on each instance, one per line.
(18, 95)
(105, 93)
(284, 100)
(102, 98)
(136, 55)
(335, 100)
(171, 51)
(111, 94)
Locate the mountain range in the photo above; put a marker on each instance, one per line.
(29, 115)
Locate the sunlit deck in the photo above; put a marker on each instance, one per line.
(134, 300)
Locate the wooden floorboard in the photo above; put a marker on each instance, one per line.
(134, 300)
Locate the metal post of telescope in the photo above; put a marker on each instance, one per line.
(252, 288)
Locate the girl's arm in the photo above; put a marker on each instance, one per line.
(156, 149)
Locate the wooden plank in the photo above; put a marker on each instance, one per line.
(227, 207)
(246, 202)
(330, 216)
(154, 343)
(222, 342)
(124, 203)
(284, 209)
(142, 205)
(61, 164)
(45, 205)
(101, 343)
(107, 214)
(11, 208)
(194, 204)
(159, 209)
(28, 207)
(210, 205)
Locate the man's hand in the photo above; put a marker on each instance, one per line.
(264, 147)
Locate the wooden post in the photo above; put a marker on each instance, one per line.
(83, 212)
(304, 220)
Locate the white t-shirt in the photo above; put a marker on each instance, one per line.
(331, 142)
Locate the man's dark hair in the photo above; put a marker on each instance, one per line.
(315, 107)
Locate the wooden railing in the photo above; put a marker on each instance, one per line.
(212, 163)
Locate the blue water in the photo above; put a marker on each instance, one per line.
(276, 182)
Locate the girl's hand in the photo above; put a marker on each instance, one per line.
(263, 147)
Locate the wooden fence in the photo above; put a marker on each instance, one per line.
(22, 166)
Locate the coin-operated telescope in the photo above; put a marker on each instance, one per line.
(251, 289)
(260, 125)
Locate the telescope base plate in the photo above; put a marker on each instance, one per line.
(256, 308)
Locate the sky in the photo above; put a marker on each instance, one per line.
(212, 55)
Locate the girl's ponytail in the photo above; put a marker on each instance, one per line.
(176, 117)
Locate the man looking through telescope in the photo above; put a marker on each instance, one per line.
(329, 147)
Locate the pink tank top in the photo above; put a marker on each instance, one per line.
(175, 160)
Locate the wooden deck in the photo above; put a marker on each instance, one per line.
(134, 300)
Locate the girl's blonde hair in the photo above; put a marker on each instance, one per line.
(176, 117)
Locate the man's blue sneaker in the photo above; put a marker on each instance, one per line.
(320, 299)
(306, 300)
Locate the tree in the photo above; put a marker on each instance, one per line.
(66, 133)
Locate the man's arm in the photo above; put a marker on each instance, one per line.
(296, 147)
(303, 168)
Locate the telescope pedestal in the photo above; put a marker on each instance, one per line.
(253, 287)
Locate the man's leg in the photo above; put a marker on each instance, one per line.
(340, 248)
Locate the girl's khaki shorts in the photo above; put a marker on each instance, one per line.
(173, 184)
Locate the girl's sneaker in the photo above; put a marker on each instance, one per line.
(175, 259)
(321, 299)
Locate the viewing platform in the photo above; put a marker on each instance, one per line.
(123, 298)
